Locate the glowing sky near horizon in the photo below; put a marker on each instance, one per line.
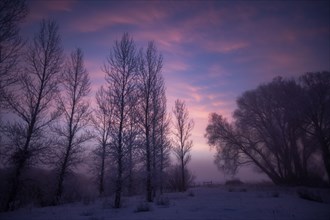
(213, 50)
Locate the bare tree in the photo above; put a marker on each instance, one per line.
(32, 102)
(76, 115)
(151, 87)
(132, 143)
(267, 133)
(317, 111)
(12, 12)
(163, 142)
(121, 73)
(160, 136)
(102, 122)
(182, 143)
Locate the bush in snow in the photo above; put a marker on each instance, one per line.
(309, 195)
(275, 194)
(233, 182)
(88, 212)
(143, 207)
(191, 193)
(163, 201)
(175, 181)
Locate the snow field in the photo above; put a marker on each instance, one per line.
(209, 203)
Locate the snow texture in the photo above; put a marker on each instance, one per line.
(243, 202)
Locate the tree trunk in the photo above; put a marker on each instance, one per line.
(10, 204)
(118, 185)
(59, 190)
(21, 164)
(130, 176)
(326, 158)
(149, 186)
(183, 186)
(154, 171)
(119, 157)
(101, 183)
(161, 171)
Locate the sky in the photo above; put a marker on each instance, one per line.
(213, 51)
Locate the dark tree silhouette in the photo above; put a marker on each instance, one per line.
(132, 143)
(163, 143)
(150, 88)
(33, 105)
(76, 115)
(267, 132)
(182, 144)
(121, 72)
(102, 122)
(12, 12)
(317, 111)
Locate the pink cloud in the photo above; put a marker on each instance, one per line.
(39, 9)
(59, 5)
(225, 46)
(173, 66)
(201, 102)
(216, 71)
(170, 35)
(105, 18)
(168, 39)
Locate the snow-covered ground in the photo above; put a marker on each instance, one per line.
(224, 202)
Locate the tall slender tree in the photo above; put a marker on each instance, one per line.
(121, 72)
(150, 88)
(102, 122)
(163, 143)
(182, 143)
(132, 142)
(33, 104)
(72, 134)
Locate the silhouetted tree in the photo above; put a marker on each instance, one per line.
(12, 12)
(158, 147)
(102, 122)
(132, 143)
(317, 111)
(150, 88)
(33, 104)
(71, 131)
(163, 143)
(121, 73)
(182, 132)
(174, 177)
(267, 132)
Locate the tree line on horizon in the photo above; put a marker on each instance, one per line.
(52, 125)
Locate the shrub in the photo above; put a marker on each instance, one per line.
(191, 193)
(309, 195)
(233, 182)
(107, 203)
(87, 213)
(88, 200)
(275, 194)
(233, 189)
(143, 207)
(163, 201)
(174, 182)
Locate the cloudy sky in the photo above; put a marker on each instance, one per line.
(213, 50)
